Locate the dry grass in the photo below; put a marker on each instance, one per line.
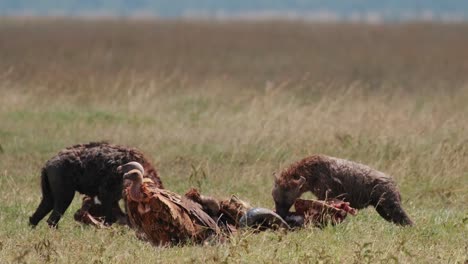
(223, 105)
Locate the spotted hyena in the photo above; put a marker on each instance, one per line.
(332, 178)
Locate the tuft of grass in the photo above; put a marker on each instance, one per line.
(221, 106)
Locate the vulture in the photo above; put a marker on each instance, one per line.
(163, 217)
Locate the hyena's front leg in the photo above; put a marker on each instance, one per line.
(388, 205)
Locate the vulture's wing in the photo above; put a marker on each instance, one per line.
(167, 205)
(196, 211)
(188, 213)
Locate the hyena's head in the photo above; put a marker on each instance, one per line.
(286, 190)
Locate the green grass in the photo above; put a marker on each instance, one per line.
(225, 126)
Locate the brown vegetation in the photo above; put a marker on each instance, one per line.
(103, 58)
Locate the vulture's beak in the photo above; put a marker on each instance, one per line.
(119, 169)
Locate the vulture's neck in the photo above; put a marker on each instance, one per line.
(135, 191)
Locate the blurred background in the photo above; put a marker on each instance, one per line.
(316, 10)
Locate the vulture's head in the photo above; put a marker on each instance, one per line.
(134, 176)
(130, 166)
(133, 181)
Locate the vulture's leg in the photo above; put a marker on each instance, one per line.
(63, 192)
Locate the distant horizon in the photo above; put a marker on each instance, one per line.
(313, 16)
(312, 10)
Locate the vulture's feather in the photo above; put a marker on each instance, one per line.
(165, 217)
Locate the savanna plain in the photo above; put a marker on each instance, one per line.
(221, 106)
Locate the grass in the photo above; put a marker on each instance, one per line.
(221, 106)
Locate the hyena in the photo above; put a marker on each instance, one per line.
(333, 178)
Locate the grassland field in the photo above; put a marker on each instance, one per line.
(221, 106)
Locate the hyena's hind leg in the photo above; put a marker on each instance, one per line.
(63, 192)
(47, 201)
(388, 205)
(46, 205)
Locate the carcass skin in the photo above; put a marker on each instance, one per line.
(319, 213)
(92, 213)
(165, 217)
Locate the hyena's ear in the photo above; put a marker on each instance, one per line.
(276, 177)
